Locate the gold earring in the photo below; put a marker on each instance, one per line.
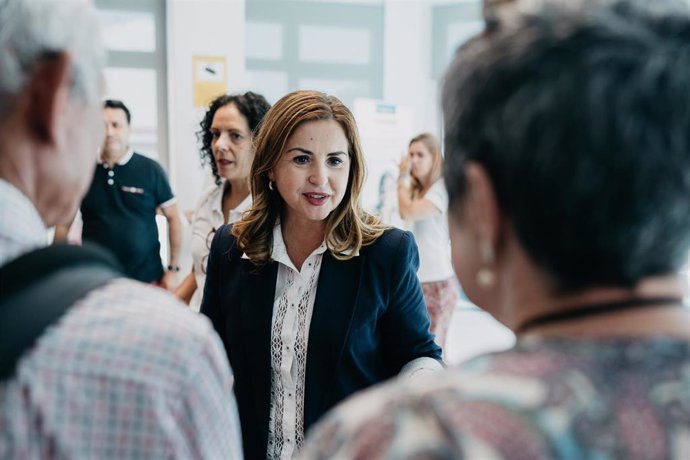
(270, 185)
(486, 277)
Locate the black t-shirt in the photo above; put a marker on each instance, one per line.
(119, 212)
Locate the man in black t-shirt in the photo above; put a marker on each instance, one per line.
(119, 210)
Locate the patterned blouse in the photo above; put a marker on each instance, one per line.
(571, 398)
(292, 310)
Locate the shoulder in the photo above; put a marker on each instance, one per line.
(137, 326)
(148, 303)
(393, 240)
(155, 311)
(424, 414)
(140, 157)
(394, 252)
(439, 186)
(225, 235)
(208, 195)
(224, 241)
(438, 195)
(142, 161)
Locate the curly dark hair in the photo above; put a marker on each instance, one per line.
(252, 105)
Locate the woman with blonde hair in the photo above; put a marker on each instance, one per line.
(422, 202)
(314, 299)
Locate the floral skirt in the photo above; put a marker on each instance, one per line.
(440, 297)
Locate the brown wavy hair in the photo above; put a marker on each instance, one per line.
(348, 227)
(431, 143)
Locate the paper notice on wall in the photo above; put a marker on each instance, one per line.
(210, 78)
(385, 130)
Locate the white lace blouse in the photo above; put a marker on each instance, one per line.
(293, 306)
(292, 311)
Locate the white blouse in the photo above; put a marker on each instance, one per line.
(293, 306)
(292, 310)
(208, 217)
(431, 236)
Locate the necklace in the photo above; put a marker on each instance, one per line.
(599, 309)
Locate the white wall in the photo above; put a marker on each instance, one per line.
(407, 61)
(207, 28)
(217, 28)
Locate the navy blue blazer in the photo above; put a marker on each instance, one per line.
(369, 320)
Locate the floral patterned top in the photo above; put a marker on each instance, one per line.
(571, 398)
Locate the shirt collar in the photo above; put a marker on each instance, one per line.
(279, 250)
(21, 227)
(235, 212)
(124, 159)
(244, 204)
(127, 156)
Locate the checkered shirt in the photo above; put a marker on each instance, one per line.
(128, 372)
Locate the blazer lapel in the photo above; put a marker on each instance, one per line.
(256, 315)
(334, 306)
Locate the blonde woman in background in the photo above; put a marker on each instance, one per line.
(422, 202)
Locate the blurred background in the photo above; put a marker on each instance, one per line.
(383, 58)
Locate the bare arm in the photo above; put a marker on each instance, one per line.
(172, 215)
(61, 232)
(174, 232)
(186, 289)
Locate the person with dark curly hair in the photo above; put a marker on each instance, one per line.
(226, 144)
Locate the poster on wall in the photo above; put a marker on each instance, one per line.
(210, 78)
(384, 129)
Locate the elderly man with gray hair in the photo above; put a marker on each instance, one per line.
(124, 371)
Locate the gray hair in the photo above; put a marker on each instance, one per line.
(31, 30)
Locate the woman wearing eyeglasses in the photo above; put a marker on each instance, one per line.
(226, 144)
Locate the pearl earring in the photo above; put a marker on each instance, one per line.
(270, 185)
(486, 277)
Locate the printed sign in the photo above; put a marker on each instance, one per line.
(210, 78)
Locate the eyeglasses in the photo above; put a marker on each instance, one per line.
(209, 240)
